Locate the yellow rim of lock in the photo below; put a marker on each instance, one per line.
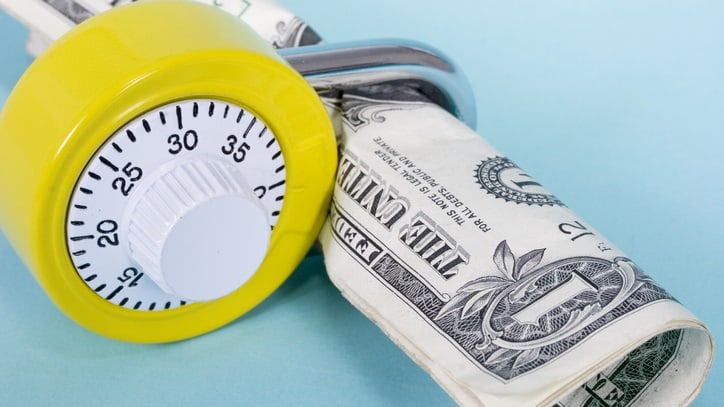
(114, 68)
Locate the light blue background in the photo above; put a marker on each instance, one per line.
(616, 106)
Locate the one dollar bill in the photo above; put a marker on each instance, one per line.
(488, 281)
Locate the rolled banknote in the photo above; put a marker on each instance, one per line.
(49, 19)
(484, 278)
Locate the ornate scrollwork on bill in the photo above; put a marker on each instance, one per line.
(527, 315)
(368, 104)
(294, 33)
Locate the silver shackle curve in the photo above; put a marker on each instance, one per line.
(354, 64)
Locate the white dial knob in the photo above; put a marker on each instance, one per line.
(197, 230)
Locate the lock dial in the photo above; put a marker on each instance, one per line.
(165, 170)
(177, 206)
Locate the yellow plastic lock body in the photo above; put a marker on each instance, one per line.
(113, 68)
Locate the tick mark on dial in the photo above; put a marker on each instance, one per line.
(226, 111)
(275, 213)
(179, 118)
(138, 305)
(77, 223)
(114, 292)
(211, 109)
(276, 185)
(84, 237)
(108, 163)
(248, 128)
(279, 169)
(262, 132)
(152, 306)
(84, 266)
(123, 301)
(81, 207)
(277, 155)
(100, 288)
(271, 143)
(131, 136)
(195, 111)
(117, 147)
(94, 175)
(240, 116)
(162, 116)
(79, 253)
(91, 277)
(146, 125)
(86, 191)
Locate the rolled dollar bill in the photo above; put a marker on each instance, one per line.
(487, 280)
(49, 19)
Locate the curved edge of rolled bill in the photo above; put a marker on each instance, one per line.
(48, 20)
(488, 281)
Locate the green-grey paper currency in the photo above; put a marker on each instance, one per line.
(484, 278)
(489, 282)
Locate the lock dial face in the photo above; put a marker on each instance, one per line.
(165, 194)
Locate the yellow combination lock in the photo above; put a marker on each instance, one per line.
(163, 170)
